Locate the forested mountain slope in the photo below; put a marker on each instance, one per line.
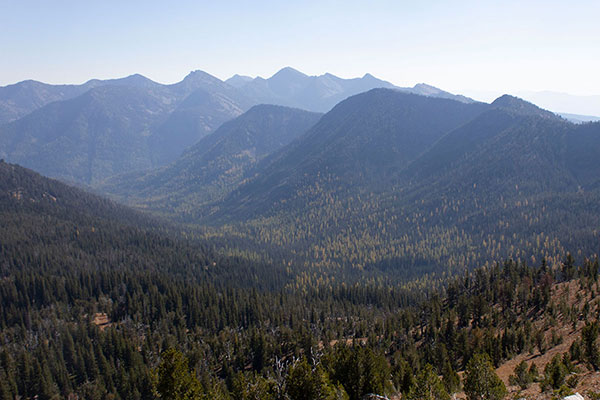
(112, 324)
(361, 144)
(217, 164)
(388, 188)
(49, 227)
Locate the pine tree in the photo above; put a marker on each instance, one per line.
(589, 337)
(175, 381)
(450, 378)
(428, 386)
(305, 383)
(481, 380)
(521, 376)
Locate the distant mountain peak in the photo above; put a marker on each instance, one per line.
(201, 76)
(136, 76)
(137, 79)
(521, 107)
(238, 80)
(241, 77)
(289, 72)
(199, 79)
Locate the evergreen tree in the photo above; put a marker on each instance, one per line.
(521, 376)
(175, 380)
(307, 383)
(589, 337)
(450, 378)
(481, 380)
(555, 373)
(428, 386)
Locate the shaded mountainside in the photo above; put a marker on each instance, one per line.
(23, 191)
(48, 227)
(217, 164)
(583, 148)
(88, 138)
(522, 107)
(497, 151)
(197, 116)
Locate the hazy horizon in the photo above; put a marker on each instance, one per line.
(506, 47)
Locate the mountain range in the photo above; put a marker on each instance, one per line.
(22, 98)
(292, 88)
(87, 133)
(113, 128)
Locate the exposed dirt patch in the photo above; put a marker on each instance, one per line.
(102, 321)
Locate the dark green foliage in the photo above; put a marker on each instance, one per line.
(360, 370)
(305, 382)
(248, 386)
(237, 320)
(555, 373)
(481, 381)
(450, 378)
(175, 380)
(522, 376)
(533, 373)
(589, 338)
(428, 386)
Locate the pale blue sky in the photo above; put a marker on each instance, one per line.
(461, 46)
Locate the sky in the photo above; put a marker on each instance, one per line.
(479, 48)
